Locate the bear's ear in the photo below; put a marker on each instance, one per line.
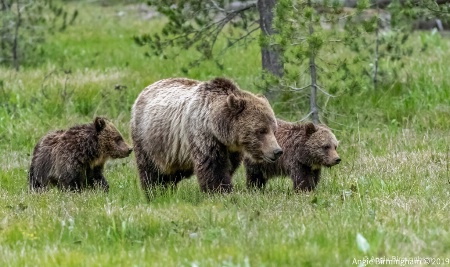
(99, 123)
(235, 104)
(263, 97)
(310, 128)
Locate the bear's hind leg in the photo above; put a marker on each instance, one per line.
(38, 175)
(34, 184)
(148, 174)
(153, 182)
(72, 178)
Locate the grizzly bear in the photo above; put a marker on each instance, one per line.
(73, 159)
(182, 127)
(307, 147)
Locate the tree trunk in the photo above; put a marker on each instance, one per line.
(312, 68)
(3, 5)
(271, 55)
(15, 47)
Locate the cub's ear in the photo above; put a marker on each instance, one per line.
(235, 104)
(310, 128)
(99, 123)
(263, 97)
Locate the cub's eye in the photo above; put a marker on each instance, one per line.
(326, 147)
(118, 139)
(262, 131)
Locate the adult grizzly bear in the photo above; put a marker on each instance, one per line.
(73, 159)
(307, 147)
(182, 127)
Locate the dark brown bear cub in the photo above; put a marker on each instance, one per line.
(73, 159)
(307, 147)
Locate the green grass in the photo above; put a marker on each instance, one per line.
(392, 185)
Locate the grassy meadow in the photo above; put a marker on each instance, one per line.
(392, 186)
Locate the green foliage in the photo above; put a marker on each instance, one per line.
(305, 43)
(24, 25)
(199, 24)
(376, 43)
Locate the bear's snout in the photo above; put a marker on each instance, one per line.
(127, 150)
(337, 161)
(121, 151)
(277, 153)
(273, 155)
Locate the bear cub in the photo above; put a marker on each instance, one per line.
(73, 159)
(307, 147)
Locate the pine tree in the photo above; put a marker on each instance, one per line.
(369, 40)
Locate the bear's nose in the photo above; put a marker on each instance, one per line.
(337, 160)
(130, 150)
(277, 153)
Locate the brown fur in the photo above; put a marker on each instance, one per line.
(307, 147)
(73, 159)
(181, 127)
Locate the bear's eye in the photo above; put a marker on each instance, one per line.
(262, 131)
(326, 147)
(118, 139)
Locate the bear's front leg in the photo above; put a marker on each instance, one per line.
(235, 161)
(213, 177)
(255, 175)
(96, 179)
(305, 178)
(213, 171)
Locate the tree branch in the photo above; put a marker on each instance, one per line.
(241, 38)
(437, 11)
(304, 118)
(248, 5)
(299, 89)
(325, 92)
(217, 6)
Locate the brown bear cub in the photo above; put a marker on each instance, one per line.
(73, 159)
(307, 147)
(182, 127)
